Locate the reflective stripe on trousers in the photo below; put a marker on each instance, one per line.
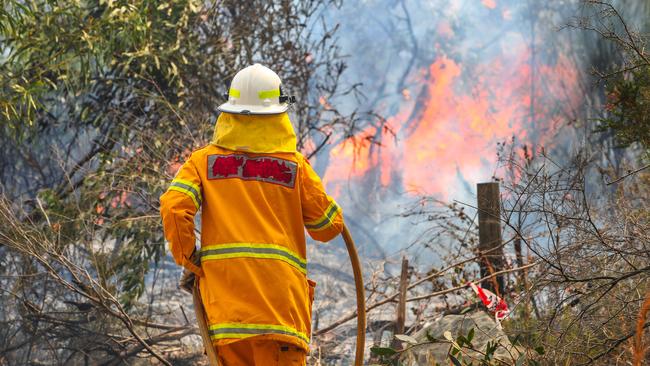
(245, 330)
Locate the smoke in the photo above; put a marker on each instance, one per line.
(452, 80)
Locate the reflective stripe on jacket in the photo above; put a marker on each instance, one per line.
(255, 208)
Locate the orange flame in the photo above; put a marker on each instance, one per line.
(458, 121)
(490, 4)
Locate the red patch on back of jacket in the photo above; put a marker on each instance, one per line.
(262, 168)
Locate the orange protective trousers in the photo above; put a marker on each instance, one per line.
(251, 352)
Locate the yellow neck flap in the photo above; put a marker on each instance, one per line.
(269, 133)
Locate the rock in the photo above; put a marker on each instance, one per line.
(485, 330)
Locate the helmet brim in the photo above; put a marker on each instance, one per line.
(253, 109)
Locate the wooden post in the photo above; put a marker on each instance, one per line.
(489, 234)
(401, 302)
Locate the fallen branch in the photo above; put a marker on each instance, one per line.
(353, 315)
(628, 174)
(34, 244)
(171, 335)
(438, 293)
(393, 297)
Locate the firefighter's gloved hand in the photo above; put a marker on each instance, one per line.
(187, 279)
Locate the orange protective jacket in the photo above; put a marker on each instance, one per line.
(255, 205)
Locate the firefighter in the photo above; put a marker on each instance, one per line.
(257, 194)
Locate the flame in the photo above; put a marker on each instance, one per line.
(448, 132)
(444, 30)
(490, 4)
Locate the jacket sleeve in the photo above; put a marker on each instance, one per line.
(178, 205)
(322, 215)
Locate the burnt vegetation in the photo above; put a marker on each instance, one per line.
(574, 221)
(100, 102)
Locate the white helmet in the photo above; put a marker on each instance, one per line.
(256, 90)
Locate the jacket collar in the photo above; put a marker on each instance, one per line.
(270, 133)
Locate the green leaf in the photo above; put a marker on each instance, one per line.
(455, 361)
(461, 340)
(470, 335)
(515, 340)
(539, 350)
(520, 360)
(490, 348)
(430, 338)
(383, 351)
(466, 310)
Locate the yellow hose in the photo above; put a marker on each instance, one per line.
(361, 297)
(201, 317)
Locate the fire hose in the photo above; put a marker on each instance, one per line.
(202, 319)
(361, 297)
(361, 307)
